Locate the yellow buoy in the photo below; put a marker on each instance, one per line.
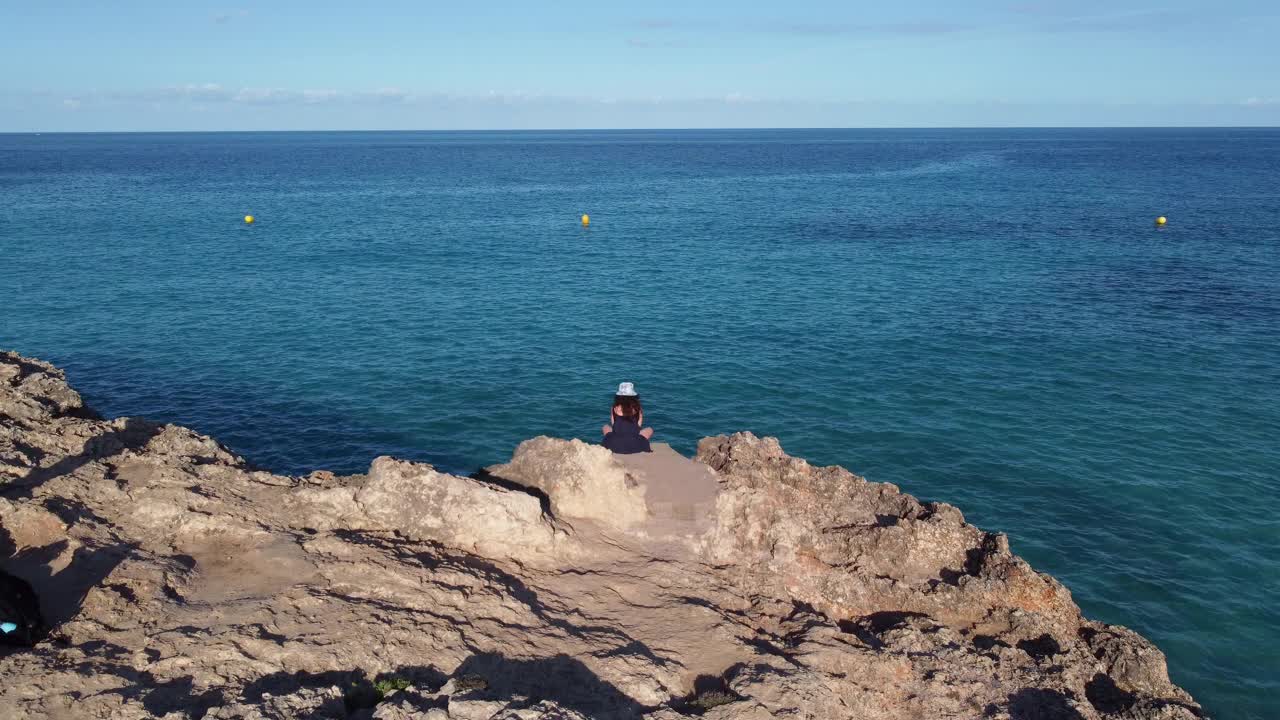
(248, 219)
(586, 220)
(1161, 220)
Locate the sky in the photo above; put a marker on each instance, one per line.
(399, 64)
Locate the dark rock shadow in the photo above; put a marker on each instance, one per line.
(1040, 704)
(61, 594)
(19, 606)
(359, 690)
(709, 691)
(868, 628)
(34, 454)
(884, 521)
(1040, 648)
(1106, 697)
(159, 698)
(135, 434)
(560, 679)
(439, 558)
(489, 478)
(985, 643)
(27, 368)
(8, 546)
(177, 695)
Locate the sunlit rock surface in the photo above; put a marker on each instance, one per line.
(567, 583)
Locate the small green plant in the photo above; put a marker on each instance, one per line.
(361, 694)
(712, 698)
(389, 684)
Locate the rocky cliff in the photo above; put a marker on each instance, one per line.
(180, 582)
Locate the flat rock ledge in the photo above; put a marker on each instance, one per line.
(179, 582)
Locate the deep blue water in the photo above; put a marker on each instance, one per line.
(986, 317)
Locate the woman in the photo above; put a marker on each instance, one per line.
(625, 434)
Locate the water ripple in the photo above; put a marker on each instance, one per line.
(986, 318)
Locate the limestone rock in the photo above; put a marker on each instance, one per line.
(419, 503)
(567, 584)
(317, 703)
(422, 504)
(579, 480)
(830, 539)
(35, 390)
(1131, 662)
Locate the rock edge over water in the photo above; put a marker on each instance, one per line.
(568, 583)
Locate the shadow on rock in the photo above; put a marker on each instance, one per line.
(560, 679)
(485, 476)
(159, 698)
(62, 593)
(162, 698)
(709, 692)
(24, 624)
(869, 628)
(1038, 704)
(1106, 697)
(134, 435)
(359, 690)
(441, 557)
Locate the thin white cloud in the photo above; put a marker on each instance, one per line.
(208, 97)
(924, 27)
(209, 92)
(384, 95)
(927, 26)
(914, 27)
(44, 110)
(206, 91)
(223, 18)
(1045, 16)
(646, 44)
(214, 93)
(265, 96)
(1148, 20)
(663, 24)
(1044, 7)
(312, 97)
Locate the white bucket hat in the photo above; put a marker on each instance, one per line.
(627, 389)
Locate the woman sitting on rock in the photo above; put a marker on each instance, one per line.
(625, 434)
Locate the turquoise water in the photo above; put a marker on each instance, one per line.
(984, 317)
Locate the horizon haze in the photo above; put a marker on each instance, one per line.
(810, 63)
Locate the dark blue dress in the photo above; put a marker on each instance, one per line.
(625, 439)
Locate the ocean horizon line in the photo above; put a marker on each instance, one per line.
(639, 129)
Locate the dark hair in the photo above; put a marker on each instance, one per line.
(629, 405)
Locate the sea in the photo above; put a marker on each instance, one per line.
(990, 318)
